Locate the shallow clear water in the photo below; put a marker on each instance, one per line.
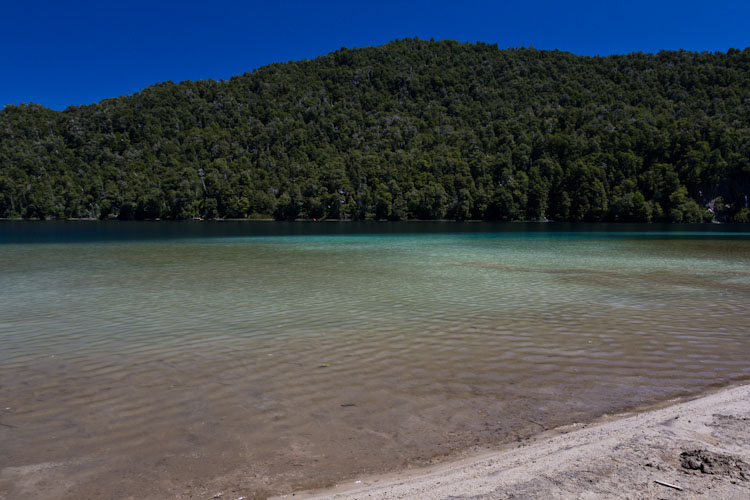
(268, 356)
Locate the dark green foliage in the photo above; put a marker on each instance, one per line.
(412, 129)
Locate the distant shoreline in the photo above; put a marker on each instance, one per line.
(469, 221)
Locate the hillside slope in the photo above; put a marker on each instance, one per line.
(411, 129)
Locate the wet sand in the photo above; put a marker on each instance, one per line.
(701, 447)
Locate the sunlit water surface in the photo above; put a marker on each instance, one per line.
(263, 357)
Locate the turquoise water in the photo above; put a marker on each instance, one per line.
(270, 356)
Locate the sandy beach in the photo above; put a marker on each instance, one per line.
(693, 449)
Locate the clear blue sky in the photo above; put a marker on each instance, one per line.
(63, 53)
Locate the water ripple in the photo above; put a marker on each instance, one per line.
(349, 355)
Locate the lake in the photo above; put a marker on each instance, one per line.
(150, 359)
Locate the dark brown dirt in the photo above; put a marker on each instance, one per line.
(708, 462)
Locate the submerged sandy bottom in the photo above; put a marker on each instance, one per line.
(694, 449)
(262, 366)
(701, 446)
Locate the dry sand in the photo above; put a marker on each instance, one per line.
(621, 456)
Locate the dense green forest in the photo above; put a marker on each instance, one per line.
(412, 129)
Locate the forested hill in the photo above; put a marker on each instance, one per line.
(411, 129)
